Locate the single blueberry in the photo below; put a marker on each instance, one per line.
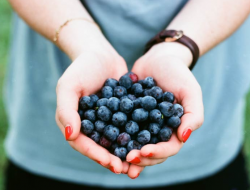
(166, 108)
(153, 140)
(121, 152)
(156, 116)
(90, 115)
(126, 105)
(104, 142)
(149, 82)
(102, 102)
(123, 139)
(120, 91)
(95, 136)
(156, 92)
(140, 82)
(137, 89)
(148, 103)
(131, 97)
(119, 119)
(133, 145)
(140, 115)
(113, 104)
(178, 110)
(86, 102)
(165, 134)
(123, 97)
(111, 82)
(131, 127)
(174, 121)
(137, 102)
(168, 97)
(113, 146)
(111, 132)
(107, 92)
(100, 125)
(146, 92)
(143, 137)
(94, 98)
(154, 128)
(87, 127)
(133, 77)
(103, 113)
(125, 81)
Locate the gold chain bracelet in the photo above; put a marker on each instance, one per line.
(69, 20)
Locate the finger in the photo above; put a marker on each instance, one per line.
(125, 167)
(193, 117)
(134, 157)
(89, 148)
(116, 165)
(134, 171)
(162, 150)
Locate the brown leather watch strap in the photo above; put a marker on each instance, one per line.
(177, 36)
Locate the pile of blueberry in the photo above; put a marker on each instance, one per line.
(129, 114)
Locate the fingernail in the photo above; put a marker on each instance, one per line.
(186, 134)
(136, 176)
(112, 169)
(149, 155)
(68, 131)
(100, 163)
(136, 160)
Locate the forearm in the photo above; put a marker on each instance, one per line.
(47, 16)
(210, 22)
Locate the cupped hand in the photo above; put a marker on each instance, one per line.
(168, 64)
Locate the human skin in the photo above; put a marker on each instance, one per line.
(94, 60)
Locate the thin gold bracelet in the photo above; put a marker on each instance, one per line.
(69, 20)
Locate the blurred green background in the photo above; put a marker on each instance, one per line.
(5, 23)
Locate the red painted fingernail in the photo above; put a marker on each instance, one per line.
(136, 160)
(149, 155)
(136, 176)
(186, 134)
(68, 131)
(112, 169)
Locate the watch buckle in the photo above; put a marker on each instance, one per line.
(177, 36)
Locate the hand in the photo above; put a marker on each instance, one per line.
(167, 64)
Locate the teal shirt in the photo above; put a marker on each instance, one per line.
(35, 143)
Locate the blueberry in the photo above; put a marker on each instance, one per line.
(87, 127)
(125, 81)
(111, 82)
(148, 103)
(140, 82)
(168, 97)
(119, 119)
(113, 104)
(111, 132)
(154, 140)
(126, 105)
(100, 125)
(165, 134)
(121, 152)
(95, 136)
(120, 91)
(146, 92)
(149, 82)
(178, 110)
(154, 128)
(167, 109)
(123, 139)
(107, 92)
(103, 113)
(137, 89)
(137, 103)
(123, 97)
(102, 102)
(81, 114)
(156, 92)
(131, 127)
(174, 122)
(140, 115)
(104, 142)
(113, 146)
(86, 102)
(131, 97)
(143, 137)
(90, 115)
(133, 77)
(133, 145)
(94, 98)
(156, 116)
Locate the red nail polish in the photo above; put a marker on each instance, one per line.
(149, 155)
(68, 131)
(186, 134)
(136, 176)
(136, 160)
(112, 169)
